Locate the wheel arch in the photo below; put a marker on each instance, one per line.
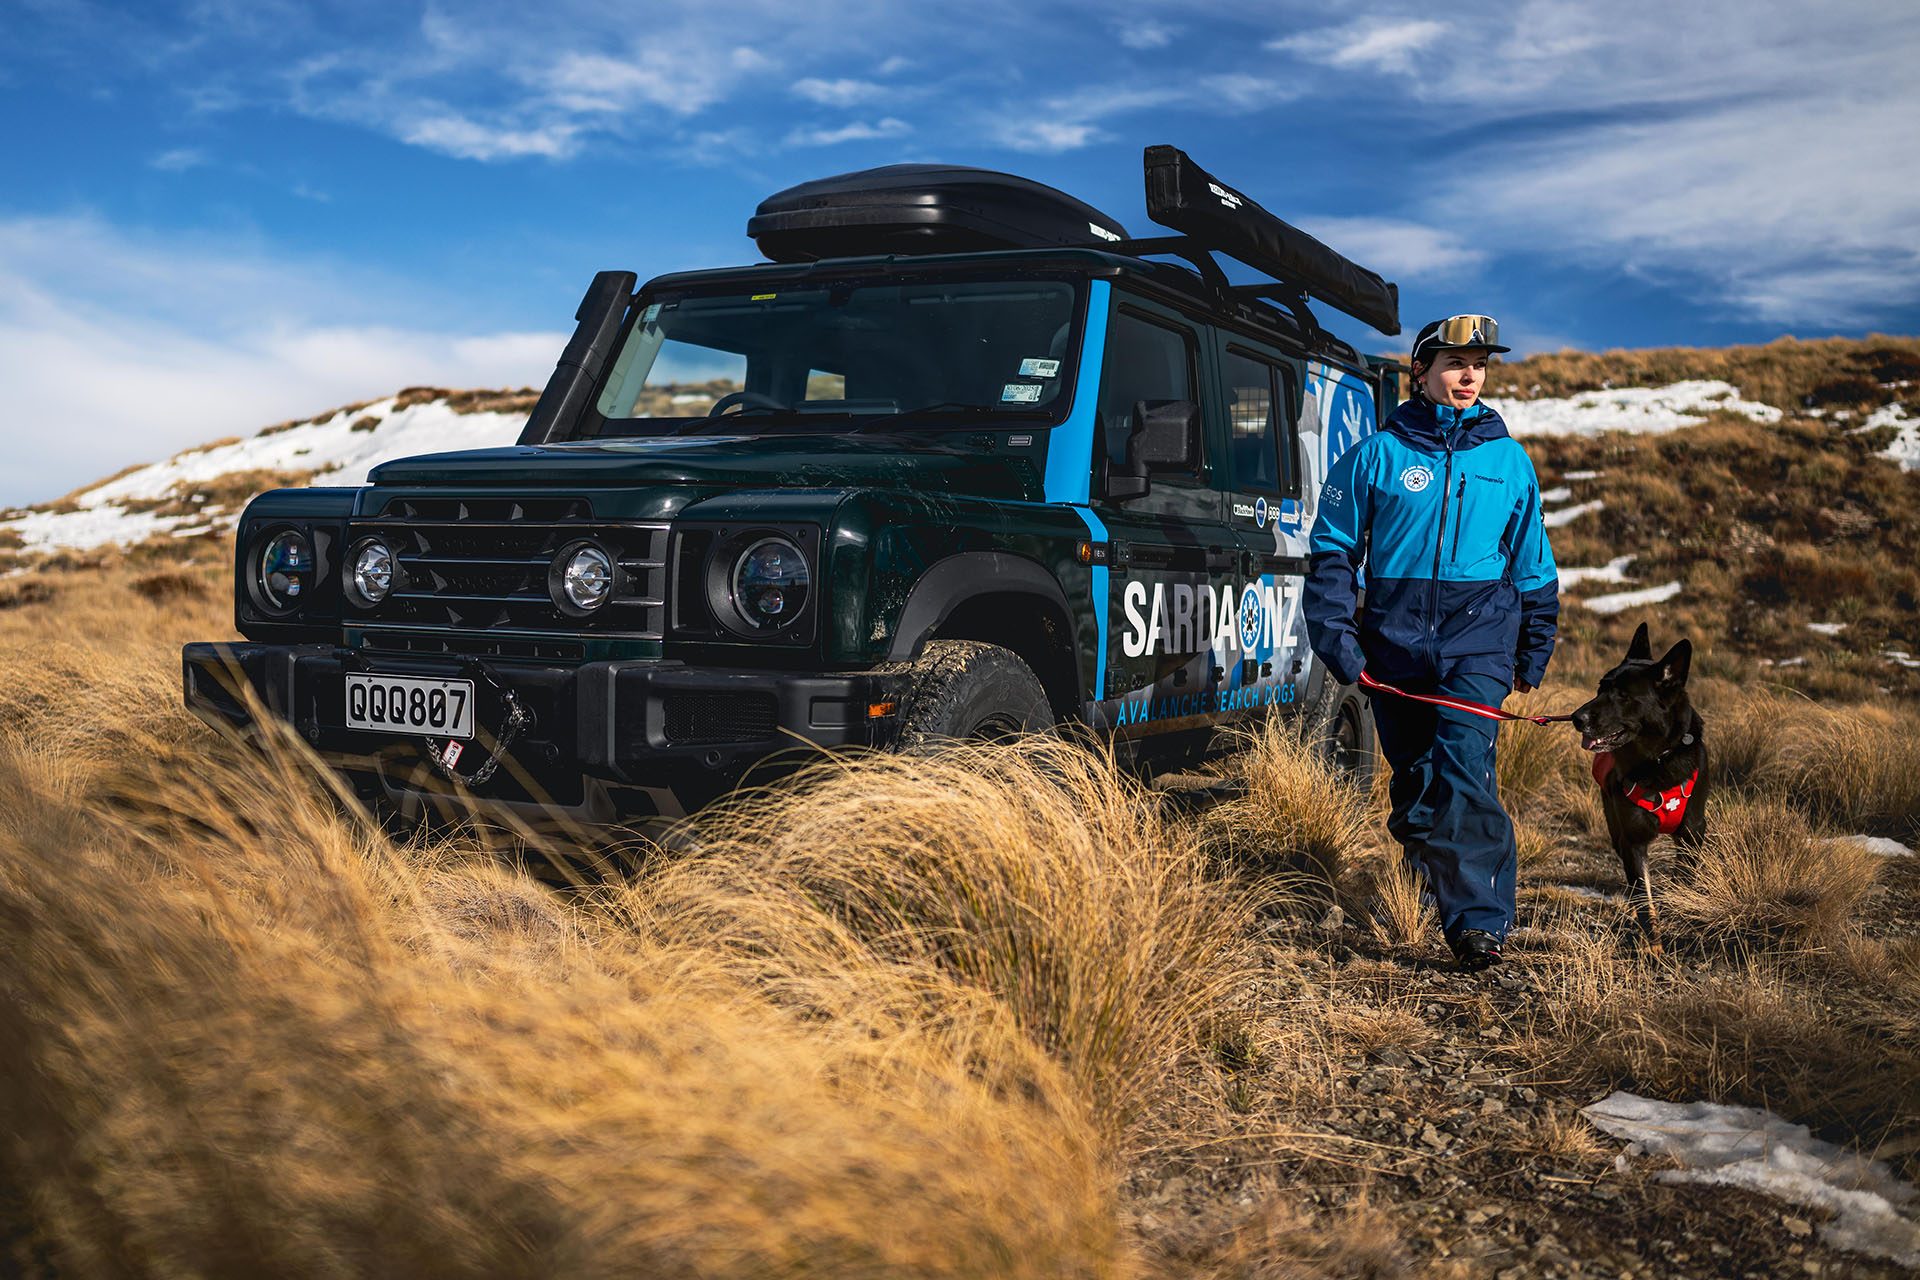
(1002, 599)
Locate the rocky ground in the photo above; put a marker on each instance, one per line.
(1443, 1119)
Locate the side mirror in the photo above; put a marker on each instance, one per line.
(1165, 437)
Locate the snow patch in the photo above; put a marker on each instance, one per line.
(1620, 600)
(1874, 844)
(1874, 1212)
(1557, 495)
(1900, 657)
(1567, 515)
(1826, 628)
(1614, 570)
(327, 446)
(1583, 475)
(1905, 448)
(1636, 409)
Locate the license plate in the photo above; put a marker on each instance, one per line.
(410, 704)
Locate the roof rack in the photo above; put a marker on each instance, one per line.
(1212, 217)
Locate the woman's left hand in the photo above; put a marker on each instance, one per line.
(1521, 686)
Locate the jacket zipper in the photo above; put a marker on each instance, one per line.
(1459, 513)
(1439, 546)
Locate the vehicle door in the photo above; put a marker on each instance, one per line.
(1172, 554)
(1269, 660)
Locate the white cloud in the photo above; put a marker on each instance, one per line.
(469, 140)
(1799, 210)
(179, 160)
(1400, 250)
(840, 93)
(858, 131)
(1368, 43)
(1145, 33)
(1047, 135)
(116, 349)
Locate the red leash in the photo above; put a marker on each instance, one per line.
(1459, 704)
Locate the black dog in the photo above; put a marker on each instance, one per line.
(1650, 757)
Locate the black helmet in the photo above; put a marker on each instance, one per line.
(1457, 331)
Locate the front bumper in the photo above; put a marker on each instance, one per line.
(609, 741)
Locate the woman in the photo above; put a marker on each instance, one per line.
(1442, 510)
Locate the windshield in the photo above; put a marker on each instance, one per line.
(852, 351)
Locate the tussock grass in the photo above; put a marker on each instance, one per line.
(1775, 1030)
(1299, 820)
(1762, 874)
(249, 1031)
(1032, 871)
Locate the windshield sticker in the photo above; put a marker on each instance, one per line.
(1036, 368)
(1102, 233)
(651, 314)
(1021, 393)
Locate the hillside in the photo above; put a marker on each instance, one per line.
(1010, 1011)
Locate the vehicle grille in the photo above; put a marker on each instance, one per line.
(481, 564)
(696, 719)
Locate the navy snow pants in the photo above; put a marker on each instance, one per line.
(1446, 806)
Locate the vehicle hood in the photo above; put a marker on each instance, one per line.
(983, 464)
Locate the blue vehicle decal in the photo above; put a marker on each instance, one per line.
(1070, 445)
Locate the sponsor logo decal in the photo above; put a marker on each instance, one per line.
(1416, 478)
(1187, 617)
(1252, 616)
(1260, 512)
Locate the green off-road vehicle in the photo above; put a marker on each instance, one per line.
(964, 458)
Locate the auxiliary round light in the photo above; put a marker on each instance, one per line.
(771, 583)
(284, 571)
(370, 576)
(587, 578)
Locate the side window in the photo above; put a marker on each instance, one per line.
(1261, 413)
(1146, 360)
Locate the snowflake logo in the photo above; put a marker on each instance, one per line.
(1253, 617)
(1416, 479)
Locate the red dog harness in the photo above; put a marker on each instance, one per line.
(1670, 806)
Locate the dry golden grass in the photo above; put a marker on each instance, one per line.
(250, 1032)
(1033, 872)
(1762, 874)
(1770, 1030)
(1297, 821)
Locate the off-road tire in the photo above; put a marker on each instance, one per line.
(968, 689)
(1340, 728)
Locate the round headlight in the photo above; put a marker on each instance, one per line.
(770, 584)
(370, 576)
(586, 578)
(284, 572)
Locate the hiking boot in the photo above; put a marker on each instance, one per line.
(1476, 949)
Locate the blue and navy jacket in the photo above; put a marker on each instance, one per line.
(1441, 510)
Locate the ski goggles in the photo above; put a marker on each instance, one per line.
(1460, 331)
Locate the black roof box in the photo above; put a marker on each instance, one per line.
(922, 208)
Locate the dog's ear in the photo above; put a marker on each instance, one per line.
(1673, 666)
(1641, 648)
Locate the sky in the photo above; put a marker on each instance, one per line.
(220, 214)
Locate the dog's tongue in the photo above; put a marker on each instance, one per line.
(1589, 743)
